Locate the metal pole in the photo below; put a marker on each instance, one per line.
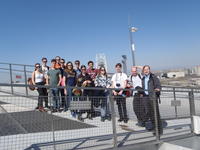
(124, 58)
(131, 43)
(175, 100)
(113, 117)
(192, 109)
(50, 97)
(11, 79)
(155, 116)
(25, 79)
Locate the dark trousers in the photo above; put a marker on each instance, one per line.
(139, 108)
(89, 94)
(101, 100)
(43, 95)
(121, 103)
(62, 93)
(149, 110)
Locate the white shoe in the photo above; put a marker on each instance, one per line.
(84, 115)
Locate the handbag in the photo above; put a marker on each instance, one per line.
(31, 84)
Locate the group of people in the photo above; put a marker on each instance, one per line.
(66, 74)
(144, 86)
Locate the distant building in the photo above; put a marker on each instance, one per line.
(196, 70)
(175, 74)
(101, 61)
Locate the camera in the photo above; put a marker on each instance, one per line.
(118, 85)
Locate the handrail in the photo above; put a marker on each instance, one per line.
(93, 88)
(16, 64)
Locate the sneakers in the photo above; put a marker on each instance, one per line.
(41, 109)
(80, 118)
(126, 120)
(140, 124)
(120, 120)
(89, 116)
(54, 110)
(84, 115)
(73, 114)
(103, 119)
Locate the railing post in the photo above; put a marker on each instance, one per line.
(113, 117)
(174, 93)
(11, 79)
(50, 97)
(155, 116)
(192, 109)
(25, 80)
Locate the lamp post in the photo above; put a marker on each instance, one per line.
(131, 30)
(124, 58)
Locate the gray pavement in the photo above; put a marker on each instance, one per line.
(34, 121)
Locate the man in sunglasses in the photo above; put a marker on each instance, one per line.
(57, 64)
(77, 68)
(44, 66)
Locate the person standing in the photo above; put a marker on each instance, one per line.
(102, 81)
(119, 81)
(54, 80)
(152, 87)
(38, 79)
(84, 80)
(45, 69)
(135, 82)
(69, 77)
(62, 93)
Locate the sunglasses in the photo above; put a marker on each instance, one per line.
(37, 66)
(103, 70)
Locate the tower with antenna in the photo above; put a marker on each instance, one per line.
(101, 61)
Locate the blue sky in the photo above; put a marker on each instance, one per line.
(168, 35)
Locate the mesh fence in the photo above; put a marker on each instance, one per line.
(85, 121)
(55, 122)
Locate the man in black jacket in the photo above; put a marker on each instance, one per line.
(151, 86)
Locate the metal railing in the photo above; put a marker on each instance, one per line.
(62, 128)
(10, 71)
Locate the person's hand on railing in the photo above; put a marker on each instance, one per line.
(114, 93)
(84, 84)
(157, 90)
(120, 93)
(128, 85)
(65, 91)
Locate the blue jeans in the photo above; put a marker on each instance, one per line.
(55, 98)
(105, 107)
(68, 98)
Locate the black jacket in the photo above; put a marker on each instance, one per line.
(153, 83)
